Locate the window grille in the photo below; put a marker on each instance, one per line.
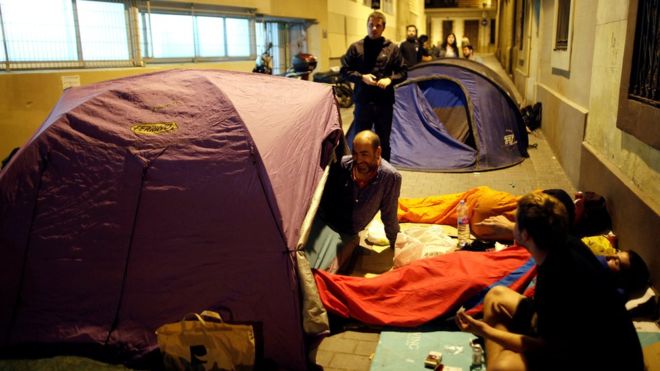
(645, 71)
(63, 34)
(40, 34)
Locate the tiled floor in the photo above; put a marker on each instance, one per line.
(353, 350)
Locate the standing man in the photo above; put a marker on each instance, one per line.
(410, 47)
(358, 186)
(375, 65)
(575, 314)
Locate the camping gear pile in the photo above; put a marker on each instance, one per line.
(143, 199)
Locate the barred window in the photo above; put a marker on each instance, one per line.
(176, 36)
(212, 30)
(238, 37)
(645, 71)
(639, 108)
(63, 33)
(47, 34)
(38, 34)
(103, 31)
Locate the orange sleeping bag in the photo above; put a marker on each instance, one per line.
(482, 202)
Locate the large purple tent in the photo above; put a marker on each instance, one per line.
(142, 199)
(456, 115)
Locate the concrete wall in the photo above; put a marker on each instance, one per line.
(616, 164)
(347, 23)
(637, 161)
(526, 61)
(317, 40)
(506, 12)
(580, 116)
(565, 94)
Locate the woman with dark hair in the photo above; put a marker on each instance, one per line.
(448, 49)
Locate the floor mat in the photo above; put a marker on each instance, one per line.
(398, 351)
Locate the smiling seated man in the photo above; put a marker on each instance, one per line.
(575, 321)
(358, 187)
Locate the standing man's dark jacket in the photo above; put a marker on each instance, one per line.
(410, 52)
(379, 57)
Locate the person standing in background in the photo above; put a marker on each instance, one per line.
(468, 53)
(424, 54)
(410, 47)
(448, 48)
(374, 64)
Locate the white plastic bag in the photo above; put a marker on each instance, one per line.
(421, 242)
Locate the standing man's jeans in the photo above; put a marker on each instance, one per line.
(377, 116)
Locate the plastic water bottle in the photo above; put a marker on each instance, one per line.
(477, 358)
(463, 225)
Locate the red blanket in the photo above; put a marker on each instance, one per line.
(426, 289)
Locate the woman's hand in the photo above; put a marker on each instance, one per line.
(467, 323)
(498, 224)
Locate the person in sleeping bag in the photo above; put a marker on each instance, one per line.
(576, 319)
(588, 216)
(358, 186)
(627, 268)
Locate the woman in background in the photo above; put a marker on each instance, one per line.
(449, 49)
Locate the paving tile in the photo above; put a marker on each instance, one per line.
(336, 343)
(366, 348)
(351, 362)
(323, 357)
(364, 336)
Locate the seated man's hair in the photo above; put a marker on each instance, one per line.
(373, 138)
(544, 218)
(566, 200)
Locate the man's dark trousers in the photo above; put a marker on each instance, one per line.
(378, 116)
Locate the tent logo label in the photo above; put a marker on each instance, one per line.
(154, 128)
(510, 140)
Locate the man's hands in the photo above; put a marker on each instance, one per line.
(370, 79)
(384, 82)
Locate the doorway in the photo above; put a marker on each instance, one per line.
(471, 30)
(447, 28)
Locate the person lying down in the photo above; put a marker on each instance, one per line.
(493, 218)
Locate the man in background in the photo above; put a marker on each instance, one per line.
(410, 47)
(468, 53)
